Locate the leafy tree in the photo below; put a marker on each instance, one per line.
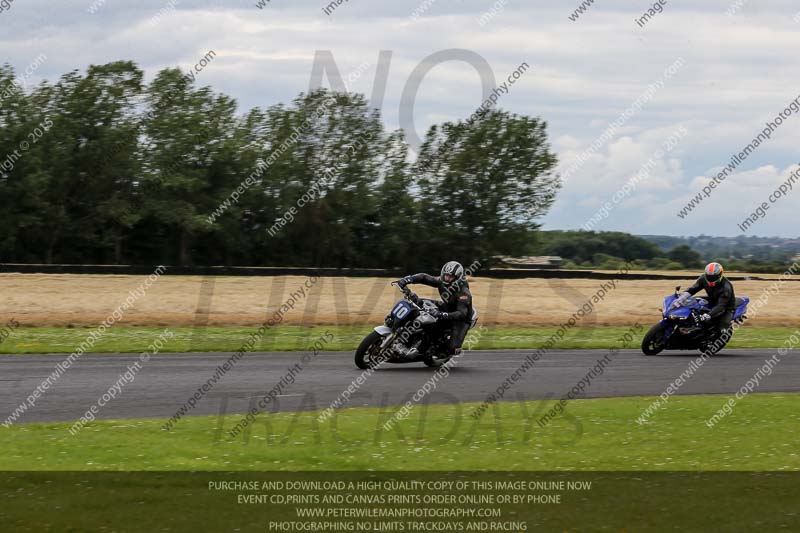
(582, 246)
(483, 185)
(19, 214)
(684, 255)
(331, 150)
(81, 155)
(188, 138)
(395, 223)
(107, 161)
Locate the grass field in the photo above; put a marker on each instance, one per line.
(291, 338)
(762, 433)
(86, 300)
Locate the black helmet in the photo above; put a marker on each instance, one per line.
(452, 272)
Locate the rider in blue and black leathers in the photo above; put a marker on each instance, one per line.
(455, 306)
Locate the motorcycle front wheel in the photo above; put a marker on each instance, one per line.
(653, 342)
(367, 351)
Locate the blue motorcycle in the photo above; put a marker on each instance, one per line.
(682, 329)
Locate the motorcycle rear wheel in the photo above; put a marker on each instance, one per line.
(653, 342)
(365, 353)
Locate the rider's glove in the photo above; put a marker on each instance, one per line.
(402, 282)
(705, 317)
(440, 315)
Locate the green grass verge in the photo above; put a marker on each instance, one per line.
(230, 339)
(762, 433)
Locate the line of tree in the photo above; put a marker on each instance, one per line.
(101, 167)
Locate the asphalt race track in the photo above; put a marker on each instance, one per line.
(168, 380)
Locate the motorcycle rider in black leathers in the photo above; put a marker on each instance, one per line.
(721, 297)
(455, 307)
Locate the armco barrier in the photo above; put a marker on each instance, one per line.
(498, 273)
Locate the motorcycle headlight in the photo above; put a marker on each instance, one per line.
(676, 317)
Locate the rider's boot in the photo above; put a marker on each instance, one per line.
(411, 352)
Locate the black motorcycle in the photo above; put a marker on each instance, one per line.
(410, 334)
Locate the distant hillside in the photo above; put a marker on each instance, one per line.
(611, 249)
(743, 247)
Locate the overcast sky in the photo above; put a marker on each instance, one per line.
(739, 70)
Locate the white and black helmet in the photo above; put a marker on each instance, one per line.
(452, 272)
